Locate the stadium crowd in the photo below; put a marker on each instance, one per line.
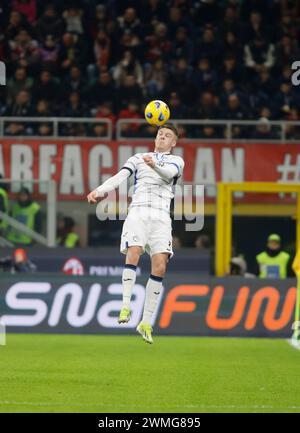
(208, 59)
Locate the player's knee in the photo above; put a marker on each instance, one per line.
(133, 255)
(159, 269)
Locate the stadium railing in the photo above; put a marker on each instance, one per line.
(59, 126)
(226, 131)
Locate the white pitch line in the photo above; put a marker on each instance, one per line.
(255, 407)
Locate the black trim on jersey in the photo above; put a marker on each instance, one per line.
(127, 168)
(175, 179)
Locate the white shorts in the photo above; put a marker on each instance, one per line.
(148, 228)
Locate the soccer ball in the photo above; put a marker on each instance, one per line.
(157, 113)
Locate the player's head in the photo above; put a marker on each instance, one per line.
(166, 138)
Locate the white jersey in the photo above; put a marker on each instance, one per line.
(150, 188)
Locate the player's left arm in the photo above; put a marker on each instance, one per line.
(167, 170)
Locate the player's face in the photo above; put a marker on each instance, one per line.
(165, 140)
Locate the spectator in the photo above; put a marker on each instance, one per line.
(264, 84)
(208, 45)
(102, 49)
(66, 236)
(101, 20)
(24, 50)
(42, 109)
(130, 90)
(74, 82)
(167, 42)
(105, 111)
(128, 65)
(47, 87)
(44, 129)
(48, 52)
(74, 107)
(175, 21)
(21, 106)
(15, 25)
(181, 80)
(232, 45)
(273, 262)
(101, 91)
(208, 12)
(208, 132)
(18, 262)
(132, 112)
(287, 51)
(73, 18)
(234, 108)
(49, 23)
(231, 21)
(182, 46)
(129, 21)
(154, 10)
(176, 106)
(238, 267)
(284, 99)
(176, 243)
(202, 242)
(71, 52)
(27, 212)
(259, 54)
(255, 28)
(28, 8)
(155, 78)
(158, 45)
(129, 41)
(98, 130)
(230, 69)
(19, 82)
(228, 88)
(263, 131)
(208, 107)
(204, 76)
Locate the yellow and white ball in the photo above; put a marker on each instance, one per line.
(157, 113)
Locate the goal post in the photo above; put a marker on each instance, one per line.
(224, 210)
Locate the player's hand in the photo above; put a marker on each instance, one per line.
(92, 197)
(148, 160)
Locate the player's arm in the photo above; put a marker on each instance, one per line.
(168, 170)
(113, 182)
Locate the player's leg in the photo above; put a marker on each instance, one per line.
(129, 272)
(154, 284)
(132, 244)
(153, 288)
(160, 249)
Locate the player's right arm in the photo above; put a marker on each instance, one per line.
(114, 181)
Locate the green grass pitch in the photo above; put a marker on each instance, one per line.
(68, 373)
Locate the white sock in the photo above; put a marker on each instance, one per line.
(153, 289)
(128, 281)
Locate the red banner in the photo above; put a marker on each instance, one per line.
(79, 165)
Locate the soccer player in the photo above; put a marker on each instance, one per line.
(148, 224)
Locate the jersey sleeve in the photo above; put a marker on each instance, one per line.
(131, 164)
(177, 162)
